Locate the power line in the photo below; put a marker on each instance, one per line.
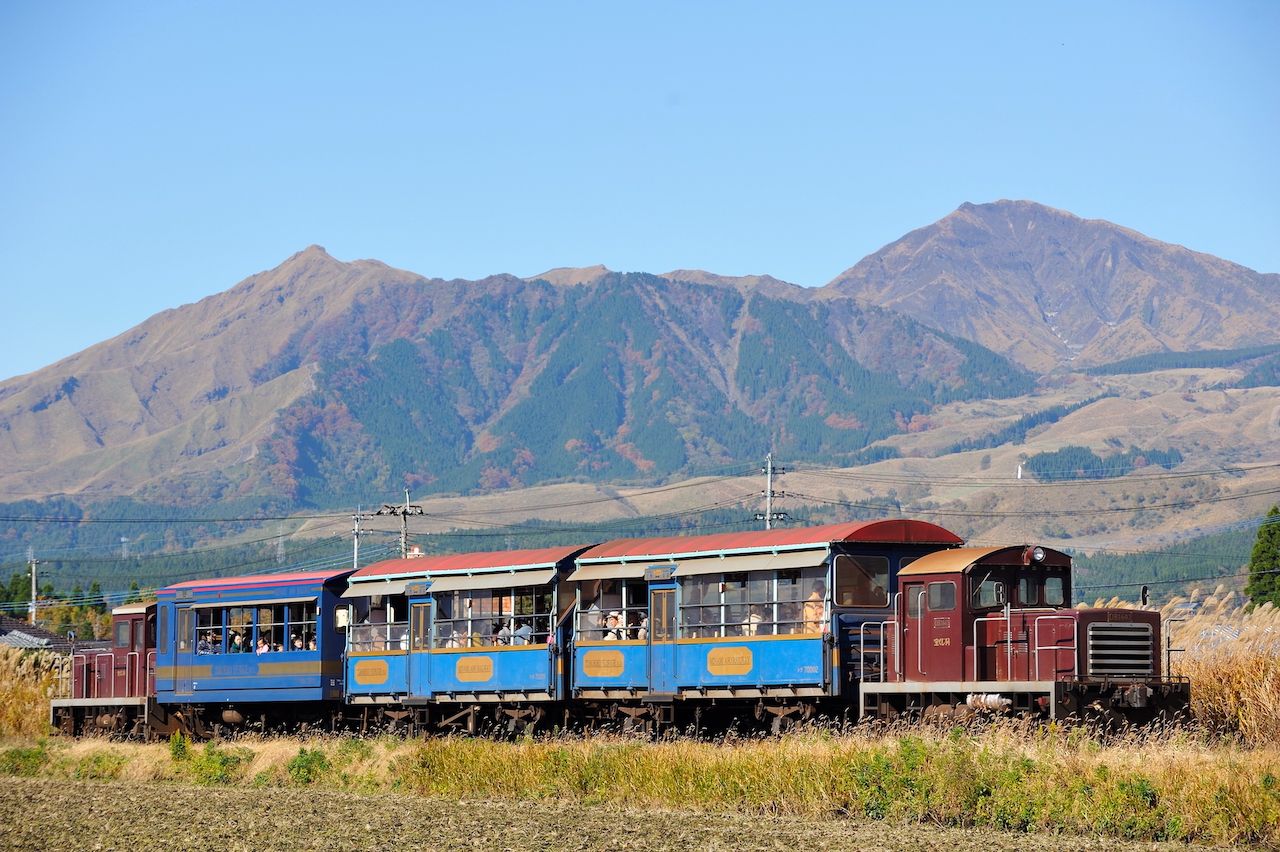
(988, 481)
(1038, 513)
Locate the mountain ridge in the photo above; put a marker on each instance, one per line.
(320, 378)
(1051, 289)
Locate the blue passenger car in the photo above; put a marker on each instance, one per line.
(772, 620)
(457, 638)
(227, 648)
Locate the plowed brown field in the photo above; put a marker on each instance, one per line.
(55, 815)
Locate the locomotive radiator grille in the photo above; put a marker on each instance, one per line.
(1121, 650)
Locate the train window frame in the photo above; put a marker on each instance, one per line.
(1029, 588)
(856, 586)
(240, 619)
(995, 581)
(628, 597)
(185, 637)
(124, 629)
(500, 611)
(1061, 594)
(419, 619)
(946, 600)
(162, 627)
(913, 599)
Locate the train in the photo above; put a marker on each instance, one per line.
(881, 619)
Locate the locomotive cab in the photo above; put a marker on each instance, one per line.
(992, 629)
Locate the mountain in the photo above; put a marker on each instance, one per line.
(1051, 290)
(324, 382)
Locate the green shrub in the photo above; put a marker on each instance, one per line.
(215, 765)
(179, 747)
(24, 761)
(308, 766)
(99, 766)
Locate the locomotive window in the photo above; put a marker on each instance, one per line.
(987, 592)
(139, 634)
(914, 595)
(862, 580)
(122, 634)
(1054, 591)
(942, 597)
(162, 632)
(1029, 591)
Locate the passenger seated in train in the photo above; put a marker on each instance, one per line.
(502, 636)
(210, 644)
(523, 634)
(237, 645)
(813, 609)
(751, 624)
(613, 630)
(642, 630)
(263, 645)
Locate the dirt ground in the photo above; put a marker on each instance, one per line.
(55, 815)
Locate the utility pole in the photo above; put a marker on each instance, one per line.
(32, 562)
(280, 544)
(403, 512)
(355, 538)
(769, 516)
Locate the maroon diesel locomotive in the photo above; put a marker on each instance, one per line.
(993, 630)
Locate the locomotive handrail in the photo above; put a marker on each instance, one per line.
(84, 658)
(1008, 642)
(1074, 649)
(150, 675)
(920, 632)
(131, 663)
(862, 645)
(97, 673)
(1168, 644)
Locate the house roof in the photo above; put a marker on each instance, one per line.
(16, 633)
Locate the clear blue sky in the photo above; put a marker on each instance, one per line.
(154, 153)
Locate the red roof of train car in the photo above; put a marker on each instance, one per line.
(545, 556)
(256, 581)
(883, 531)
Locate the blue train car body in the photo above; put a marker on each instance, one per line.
(773, 617)
(465, 629)
(251, 640)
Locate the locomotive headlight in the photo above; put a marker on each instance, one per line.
(1037, 555)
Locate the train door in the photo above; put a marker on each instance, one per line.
(662, 639)
(184, 649)
(419, 662)
(135, 662)
(913, 601)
